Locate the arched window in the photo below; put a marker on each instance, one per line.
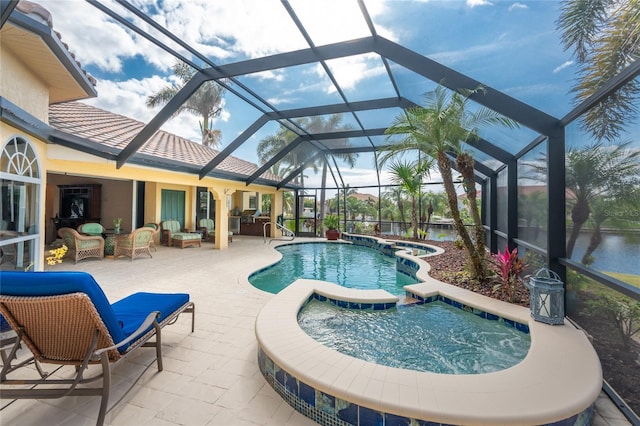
(19, 204)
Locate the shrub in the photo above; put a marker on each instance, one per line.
(510, 268)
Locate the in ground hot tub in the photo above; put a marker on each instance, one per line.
(557, 382)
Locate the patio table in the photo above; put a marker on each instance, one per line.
(110, 236)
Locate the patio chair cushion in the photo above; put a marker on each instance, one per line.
(172, 226)
(91, 229)
(121, 319)
(207, 223)
(186, 236)
(133, 310)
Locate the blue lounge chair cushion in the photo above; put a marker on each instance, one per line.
(121, 319)
(133, 309)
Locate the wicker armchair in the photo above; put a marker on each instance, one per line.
(82, 246)
(64, 318)
(156, 229)
(208, 227)
(135, 244)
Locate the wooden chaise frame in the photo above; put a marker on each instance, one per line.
(68, 330)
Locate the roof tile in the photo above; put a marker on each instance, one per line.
(116, 131)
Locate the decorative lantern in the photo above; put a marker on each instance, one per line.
(547, 297)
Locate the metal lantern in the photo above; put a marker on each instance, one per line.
(547, 297)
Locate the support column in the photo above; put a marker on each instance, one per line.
(556, 214)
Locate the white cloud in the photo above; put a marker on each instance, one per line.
(474, 3)
(563, 66)
(515, 6)
(349, 71)
(128, 98)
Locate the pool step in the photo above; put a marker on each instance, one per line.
(406, 300)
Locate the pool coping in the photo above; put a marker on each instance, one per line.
(547, 386)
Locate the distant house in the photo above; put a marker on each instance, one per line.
(365, 197)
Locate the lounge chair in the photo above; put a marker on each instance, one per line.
(82, 246)
(174, 236)
(209, 231)
(135, 244)
(64, 318)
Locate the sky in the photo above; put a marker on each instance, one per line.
(512, 46)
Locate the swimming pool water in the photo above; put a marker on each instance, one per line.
(344, 264)
(433, 337)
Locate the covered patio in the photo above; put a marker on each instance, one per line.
(211, 376)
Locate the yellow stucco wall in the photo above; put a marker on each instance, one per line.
(61, 160)
(61, 165)
(20, 86)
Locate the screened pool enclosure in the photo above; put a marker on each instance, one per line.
(310, 90)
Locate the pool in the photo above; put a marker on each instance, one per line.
(349, 265)
(435, 336)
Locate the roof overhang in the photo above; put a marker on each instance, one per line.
(41, 50)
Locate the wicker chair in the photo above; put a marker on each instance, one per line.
(135, 244)
(156, 229)
(82, 246)
(64, 318)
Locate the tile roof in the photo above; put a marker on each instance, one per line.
(116, 131)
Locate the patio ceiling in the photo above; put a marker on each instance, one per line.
(402, 74)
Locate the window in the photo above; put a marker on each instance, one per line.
(19, 204)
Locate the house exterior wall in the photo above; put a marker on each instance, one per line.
(63, 160)
(20, 86)
(60, 165)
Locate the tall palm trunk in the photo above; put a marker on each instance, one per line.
(465, 164)
(594, 242)
(323, 192)
(477, 266)
(579, 215)
(414, 217)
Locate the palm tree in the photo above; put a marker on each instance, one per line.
(409, 175)
(591, 172)
(317, 124)
(397, 195)
(438, 128)
(272, 144)
(605, 36)
(616, 212)
(205, 103)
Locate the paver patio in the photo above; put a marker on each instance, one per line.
(211, 376)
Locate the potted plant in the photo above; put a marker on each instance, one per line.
(331, 223)
(116, 224)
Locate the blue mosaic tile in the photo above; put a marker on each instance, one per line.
(509, 323)
(291, 384)
(280, 375)
(522, 327)
(366, 305)
(321, 297)
(378, 306)
(347, 411)
(370, 417)
(307, 394)
(342, 303)
(492, 317)
(326, 402)
(428, 423)
(354, 305)
(394, 420)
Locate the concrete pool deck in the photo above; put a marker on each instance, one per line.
(211, 376)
